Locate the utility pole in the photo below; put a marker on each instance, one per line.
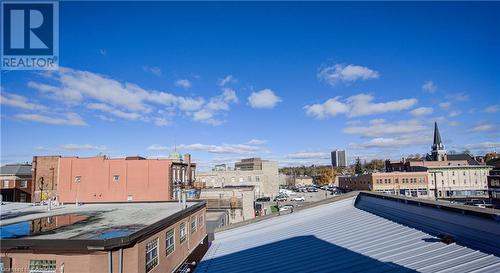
(435, 183)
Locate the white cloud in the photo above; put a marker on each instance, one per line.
(206, 117)
(152, 69)
(492, 109)
(183, 83)
(243, 149)
(18, 101)
(157, 147)
(105, 118)
(457, 97)
(74, 147)
(329, 108)
(72, 119)
(255, 141)
(484, 146)
(161, 121)
(346, 73)
(377, 121)
(263, 99)
(223, 101)
(115, 112)
(77, 147)
(485, 127)
(127, 100)
(383, 128)
(391, 142)
(429, 87)
(355, 106)
(227, 80)
(445, 105)
(421, 111)
(308, 155)
(103, 51)
(453, 114)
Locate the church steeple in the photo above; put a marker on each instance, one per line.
(437, 144)
(438, 152)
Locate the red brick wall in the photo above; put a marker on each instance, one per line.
(45, 168)
(142, 180)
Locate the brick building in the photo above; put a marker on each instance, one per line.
(398, 183)
(16, 183)
(102, 179)
(140, 237)
(45, 177)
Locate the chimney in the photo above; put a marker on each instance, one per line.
(187, 160)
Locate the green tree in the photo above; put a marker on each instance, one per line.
(375, 165)
(326, 176)
(358, 168)
(490, 156)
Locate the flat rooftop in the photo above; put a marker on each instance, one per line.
(91, 224)
(340, 237)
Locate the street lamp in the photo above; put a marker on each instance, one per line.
(435, 182)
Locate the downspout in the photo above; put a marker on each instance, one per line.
(110, 261)
(120, 261)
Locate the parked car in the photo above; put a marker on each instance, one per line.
(298, 198)
(311, 189)
(264, 199)
(280, 198)
(286, 208)
(478, 203)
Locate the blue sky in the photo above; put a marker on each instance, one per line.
(283, 81)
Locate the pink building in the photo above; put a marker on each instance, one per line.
(101, 179)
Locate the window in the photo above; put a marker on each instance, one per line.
(151, 255)
(22, 197)
(200, 219)
(6, 183)
(241, 179)
(116, 178)
(257, 178)
(249, 179)
(42, 266)
(170, 241)
(23, 184)
(78, 179)
(182, 232)
(193, 224)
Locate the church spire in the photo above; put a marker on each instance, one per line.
(438, 152)
(437, 144)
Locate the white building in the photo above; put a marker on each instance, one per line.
(264, 177)
(458, 181)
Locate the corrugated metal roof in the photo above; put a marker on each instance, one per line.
(338, 237)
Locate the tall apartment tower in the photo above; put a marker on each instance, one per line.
(338, 158)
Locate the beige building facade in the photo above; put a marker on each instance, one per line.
(265, 179)
(399, 183)
(458, 181)
(237, 201)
